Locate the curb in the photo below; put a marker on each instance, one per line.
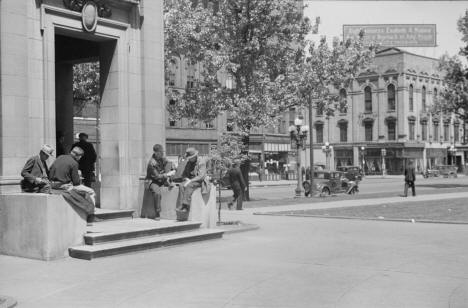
(230, 227)
(366, 218)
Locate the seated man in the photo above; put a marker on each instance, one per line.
(194, 176)
(64, 176)
(157, 173)
(35, 172)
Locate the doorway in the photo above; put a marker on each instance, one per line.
(82, 64)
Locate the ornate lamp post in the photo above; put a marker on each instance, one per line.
(452, 150)
(384, 153)
(298, 132)
(363, 162)
(327, 148)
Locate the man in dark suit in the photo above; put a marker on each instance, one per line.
(35, 172)
(237, 185)
(86, 163)
(410, 178)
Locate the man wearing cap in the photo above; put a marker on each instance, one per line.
(86, 163)
(35, 172)
(194, 177)
(64, 176)
(157, 172)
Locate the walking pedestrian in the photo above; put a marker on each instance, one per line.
(237, 185)
(410, 178)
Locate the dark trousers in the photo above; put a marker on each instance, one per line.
(413, 188)
(155, 191)
(43, 188)
(238, 195)
(87, 177)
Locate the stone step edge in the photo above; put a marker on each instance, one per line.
(115, 214)
(100, 238)
(89, 252)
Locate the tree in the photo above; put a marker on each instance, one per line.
(86, 88)
(251, 42)
(454, 98)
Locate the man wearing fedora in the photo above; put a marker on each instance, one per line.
(87, 161)
(193, 177)
(35, 172)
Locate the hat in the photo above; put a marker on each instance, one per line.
(82, 135)
(190, 153)
(47, 149)
(158, 148)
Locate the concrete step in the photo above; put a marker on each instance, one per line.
(89, 252)
(107, 231)
(113, 214)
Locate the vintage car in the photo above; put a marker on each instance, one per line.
(430, 173)
(447, 170)
(353, 173)
(328, 182)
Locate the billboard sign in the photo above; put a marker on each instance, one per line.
(401, 35)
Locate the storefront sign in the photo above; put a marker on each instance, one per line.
(397, 35)
(437, 152)
(276, 147)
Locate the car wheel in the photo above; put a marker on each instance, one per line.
(326, 191)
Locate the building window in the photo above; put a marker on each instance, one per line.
(391, 97)
(435, 96)
(343, 101)
(411, 129)
(424, 130)
(172, 72)
(319, 133)
(319, 109)
(411, 95)
(423, 99)
(456, 132)
(191, 77)
(435, 126)
(343, 131)
(367, 99)
(446, 131)
(391, 130)
(368, 126)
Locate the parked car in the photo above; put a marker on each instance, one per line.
(353, 173)
(430, 173)
(447, 170)
(328, 182)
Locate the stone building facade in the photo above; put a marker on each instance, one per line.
(40, 42)
(388, 117)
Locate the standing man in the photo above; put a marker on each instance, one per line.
(193, 177)
(86, 164)
(237, 185)
(64, 176)
(157, 172)
(410, 178)
(35, 172)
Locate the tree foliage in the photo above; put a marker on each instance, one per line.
(86, 88)
(454, 98)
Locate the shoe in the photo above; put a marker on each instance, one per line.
(239, 209)
(230, 205)
(157, 218)
(93, 218)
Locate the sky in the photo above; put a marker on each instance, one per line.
(333, 14)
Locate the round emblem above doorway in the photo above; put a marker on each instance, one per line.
(89, 16)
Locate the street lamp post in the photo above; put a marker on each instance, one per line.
(384, 153)
(363, 162)
(327, 148)
(452, 150)
(298, 132)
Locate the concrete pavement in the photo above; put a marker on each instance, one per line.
(288, 262)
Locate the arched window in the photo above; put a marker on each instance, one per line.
(391, 97)
(435, 95)
(423, 99)
(343, 101)
(411, 95)
(424, 129)
(367, 99)
(411, 127)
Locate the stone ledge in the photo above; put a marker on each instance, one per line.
(39, 226)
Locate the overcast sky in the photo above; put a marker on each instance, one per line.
(333, 14)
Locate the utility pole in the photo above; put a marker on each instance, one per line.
(311, 150)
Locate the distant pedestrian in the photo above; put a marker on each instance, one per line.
(86, 163)
(410, 178)
(237, 185)
(60, 143)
